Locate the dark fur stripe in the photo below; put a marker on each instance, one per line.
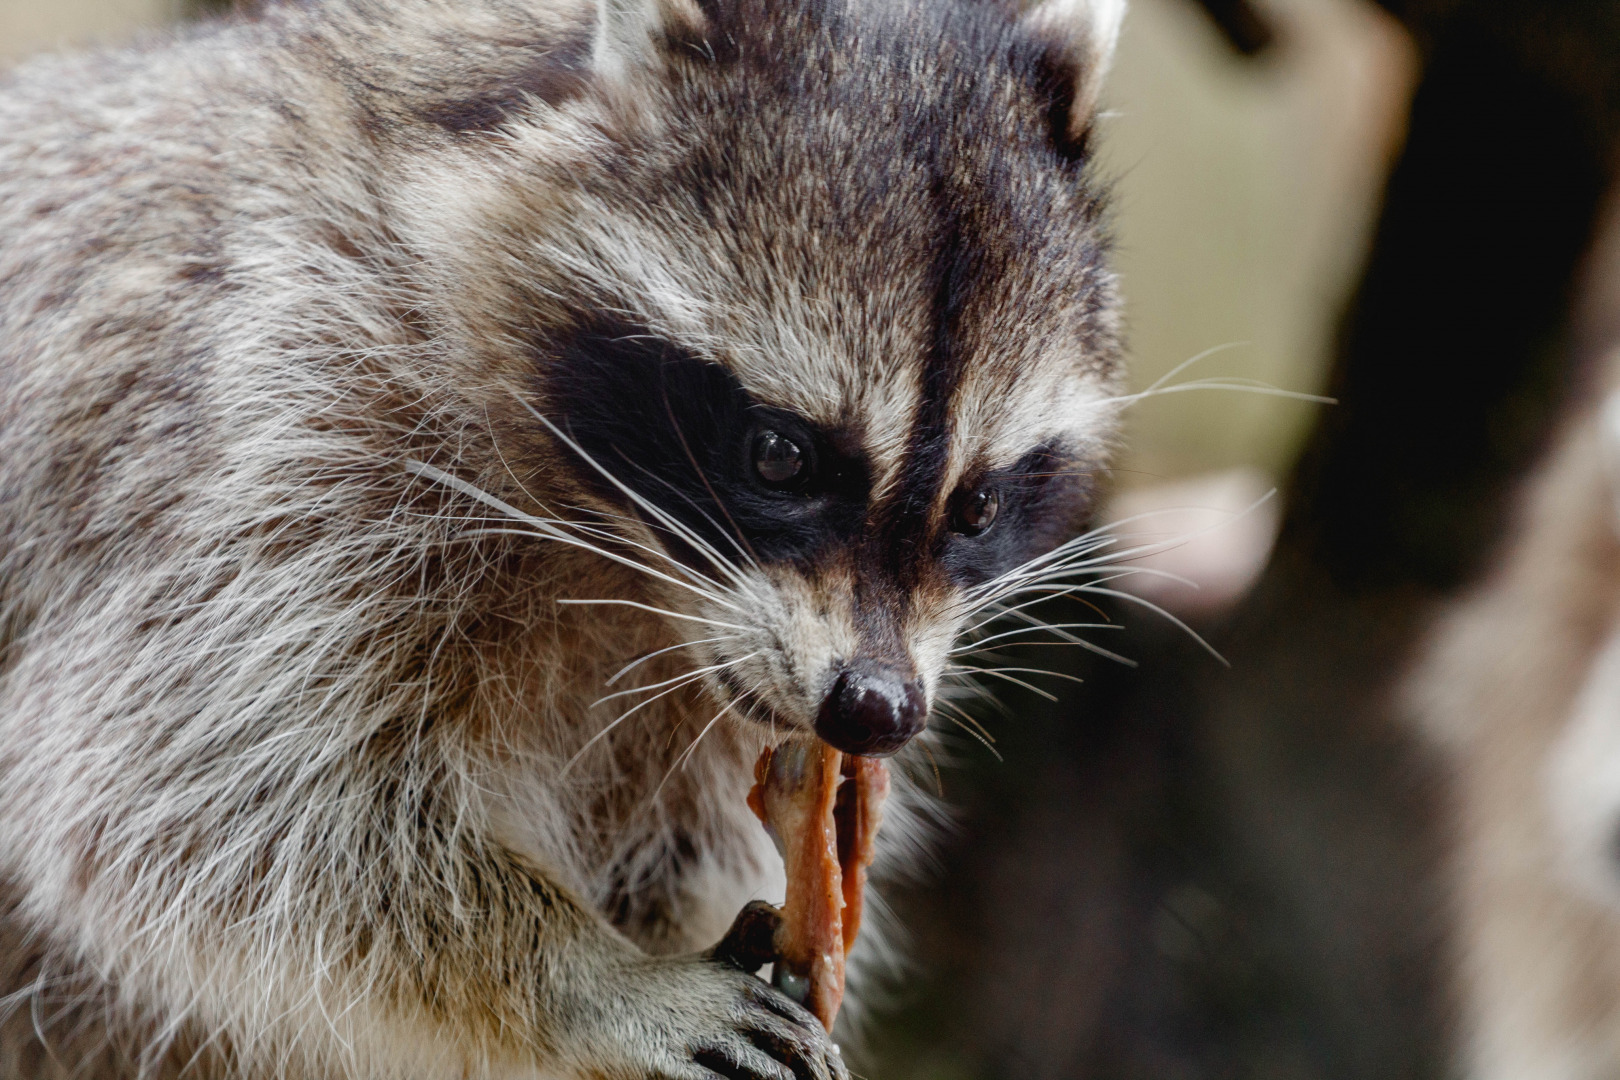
(553, 73)
(678, 430)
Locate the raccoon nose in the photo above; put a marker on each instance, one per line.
(871, 712)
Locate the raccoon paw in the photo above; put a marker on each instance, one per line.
(698, 1018)
(767, 1037)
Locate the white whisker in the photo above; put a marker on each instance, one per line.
(1014, 679)
(547, 529)
(657, 611)
(1053, 575)
(962, 719)
(632, 665)
(712, 596)
(969, 648)
(1163, 613)
(737, 541)
(688, 680)
(967, 669)
(1246, 386)
(1044, 591)
(1158, 387)
(1213, 350)
(686, 755)
(1043, 644)
(1052, 589)
(1064, 635)
(685, 676)
(723, 564)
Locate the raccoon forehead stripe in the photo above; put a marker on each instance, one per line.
(927, 455)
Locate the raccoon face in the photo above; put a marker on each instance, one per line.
(827, 332)
(832, 558)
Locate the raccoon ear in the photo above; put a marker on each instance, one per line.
(1082, 35)
(633, 34)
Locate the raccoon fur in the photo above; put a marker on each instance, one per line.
(1520, 694)
(442, 442)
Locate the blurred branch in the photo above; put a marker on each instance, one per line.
(1246, 29)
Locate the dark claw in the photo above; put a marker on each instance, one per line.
(750, 944)
(719, 1063)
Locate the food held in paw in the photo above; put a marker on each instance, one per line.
(822, 809)
(859, 812)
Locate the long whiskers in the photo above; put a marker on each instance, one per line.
(550, 529)
(638, 661)
(1081, 568)
(980, 645)
(970, 669)
(611, 602)
(1162, 613)
(686, 677)
(679, 683)
(1254, 386)
(964, 720)
(686, 755)
(1246, 386)
(715, 593)
(724, 565)
(1037, 624)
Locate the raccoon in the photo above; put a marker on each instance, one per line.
(443, 442)
(1520, 695)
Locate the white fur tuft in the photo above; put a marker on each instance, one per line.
(626, 32)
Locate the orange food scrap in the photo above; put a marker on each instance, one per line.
(823, 809)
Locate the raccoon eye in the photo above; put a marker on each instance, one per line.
(778, 459)
(977, 512)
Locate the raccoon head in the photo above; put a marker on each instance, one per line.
(816, 318)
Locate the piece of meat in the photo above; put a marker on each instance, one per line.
(859, 812)
(822, 810)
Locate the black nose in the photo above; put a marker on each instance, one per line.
(871, 712)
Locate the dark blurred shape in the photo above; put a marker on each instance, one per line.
(1452, 357)
(1182, 871)
(1244, 27)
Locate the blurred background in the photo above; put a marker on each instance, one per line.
(1202, 869)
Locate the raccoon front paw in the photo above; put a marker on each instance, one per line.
(764, 1036)
(698, 1018)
